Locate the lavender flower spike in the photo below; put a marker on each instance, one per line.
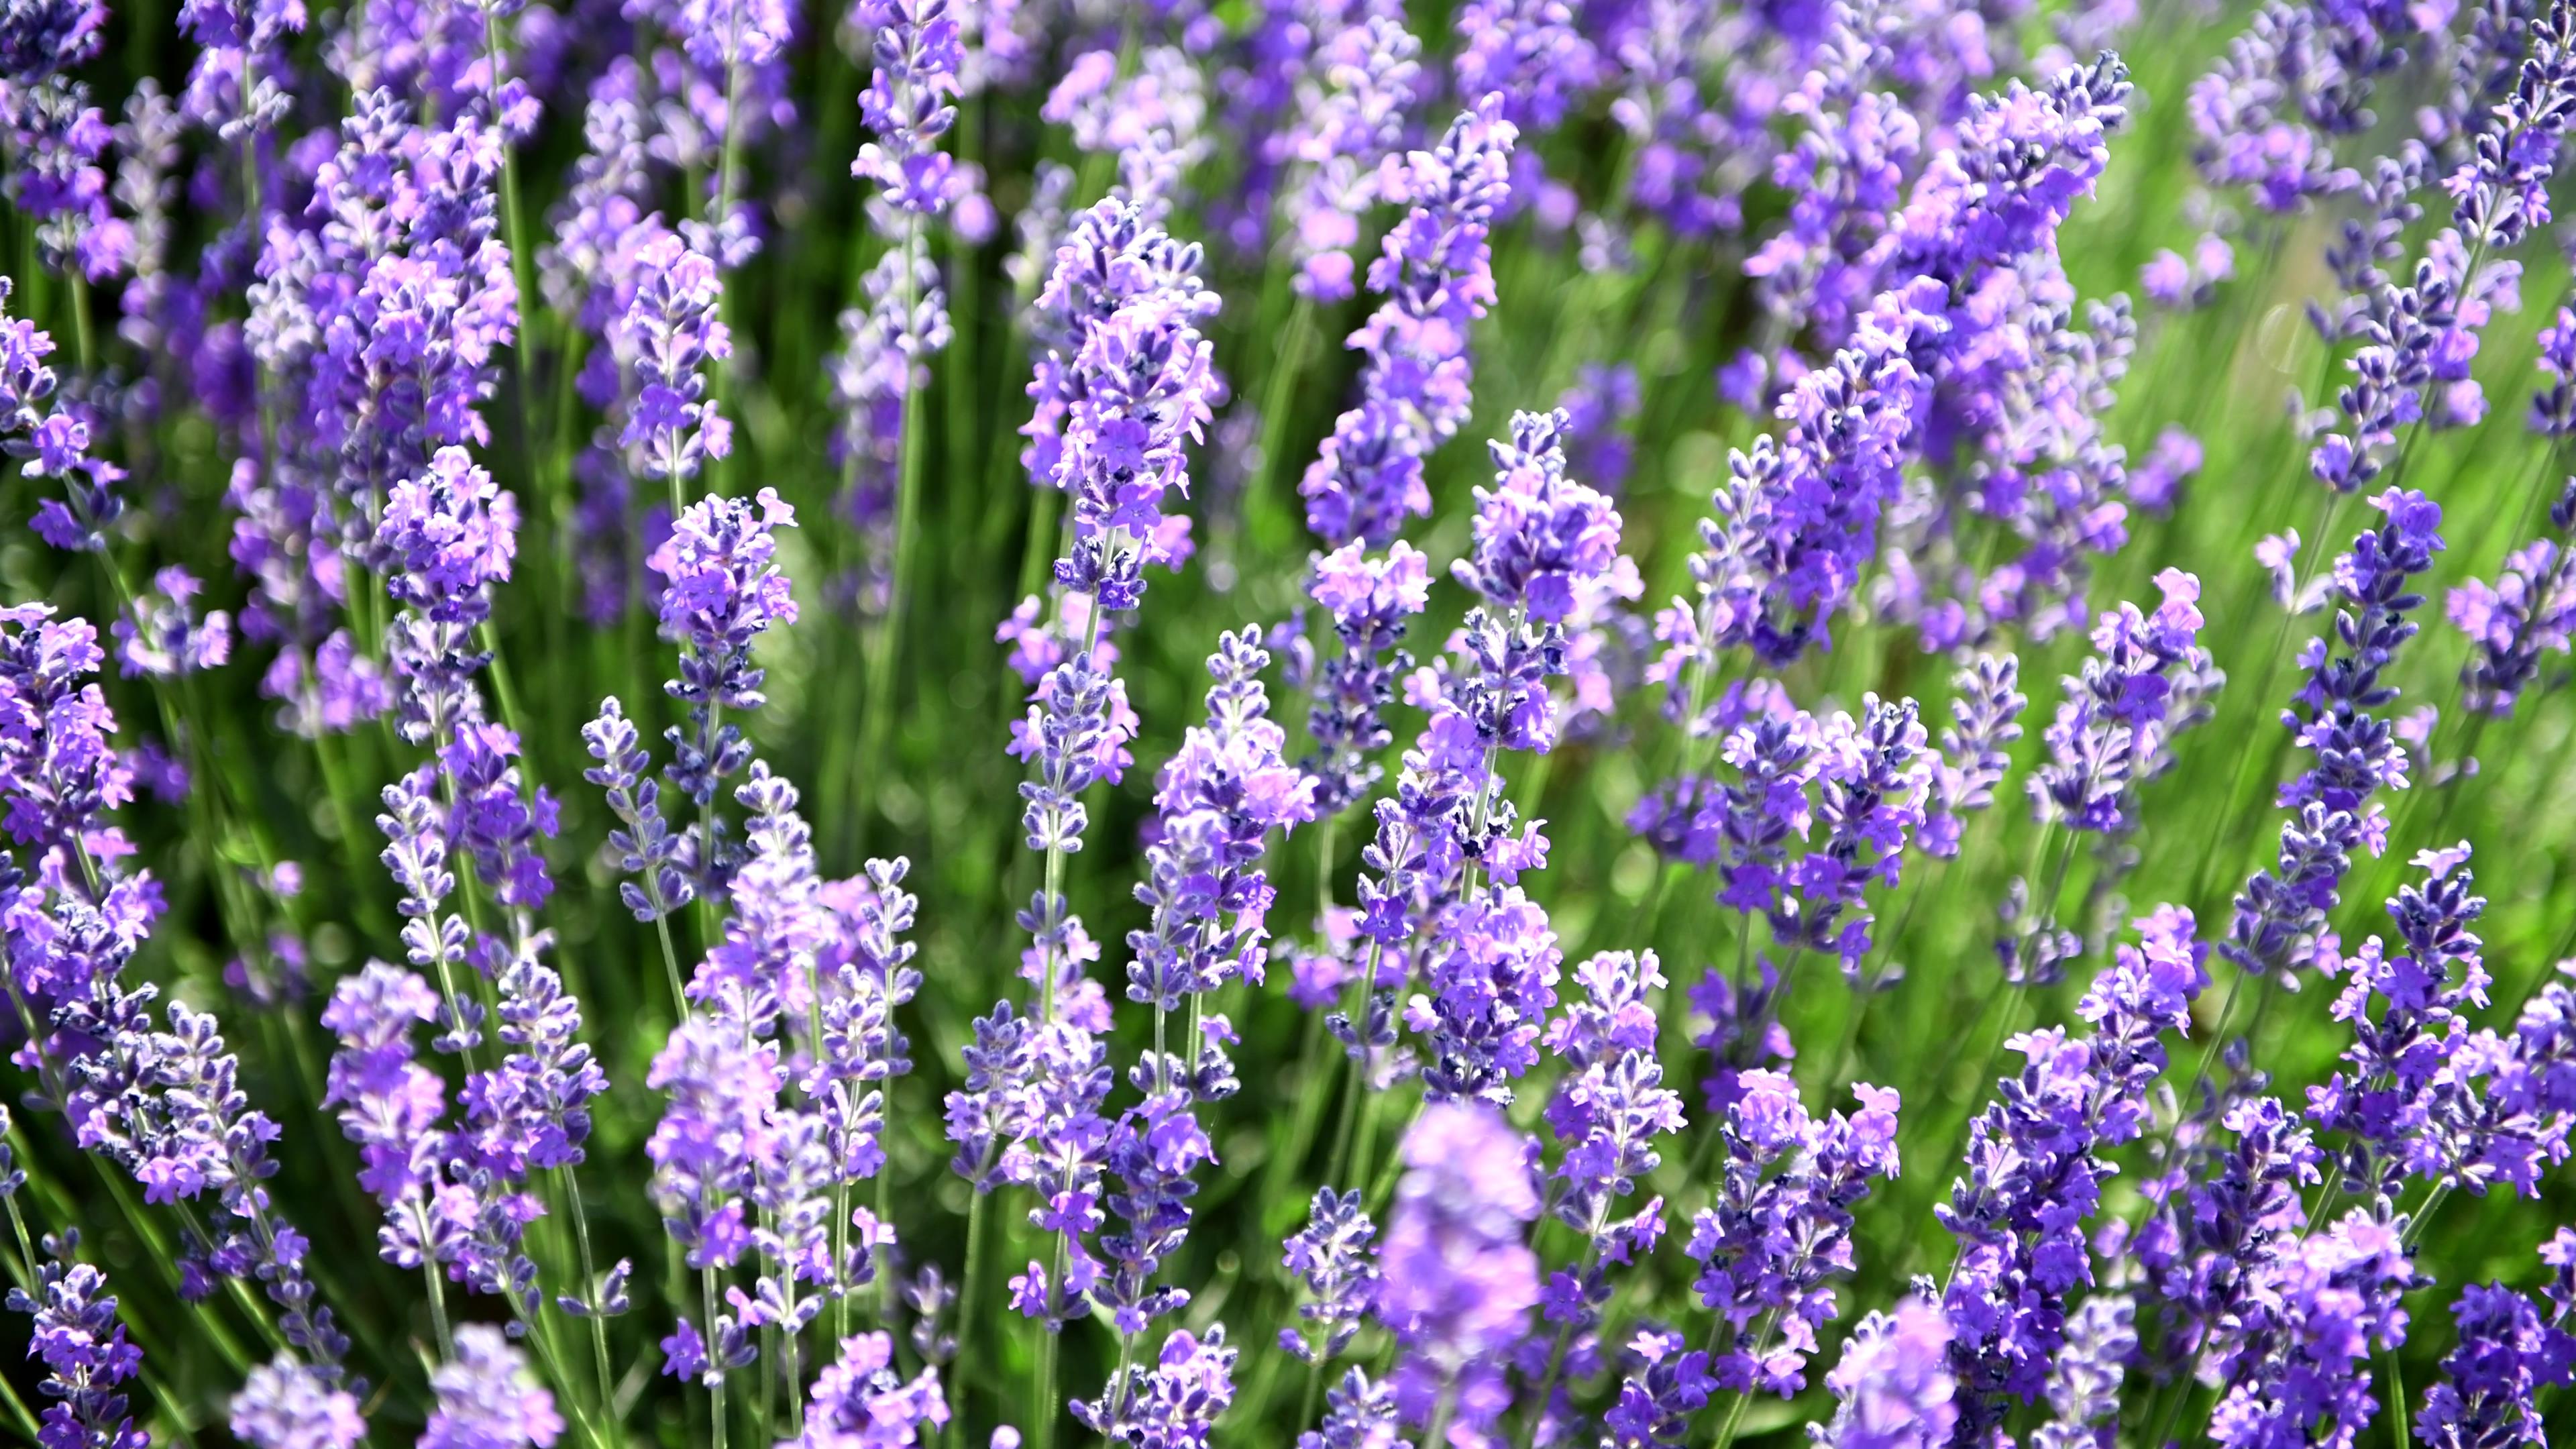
(1892, 1390)
(285, 1405)
(1457, 1281)
(1436, 274)
(488, 1398)
(77, 1334)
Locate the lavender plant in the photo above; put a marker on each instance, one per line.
(1046, 950)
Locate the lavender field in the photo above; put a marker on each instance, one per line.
(1604, 723)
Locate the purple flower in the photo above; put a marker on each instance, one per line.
(1611, 1105)
(877, 377)
(908, 102)
(2503, 188)
(1358, 1414)
(1152, 119)
(1456, 1280)
(2357, 753)
(1360, 80)
(390, 1105)
(2420, 1094)
(2322, 1311)
(76, 1333)
(2220, 1222)
(2504, 1354)
(1436, 274)
(1872, 788)
(2036, 1157)
(724, 590)
(2296, 77)
(2084, 1383)
(1892, 1389)
(532, 1112)
(860, 1401)
(1985, 712)
(449, 535)
(1122, 399)
(1335, 1256)
(2553, 408)
(1216, 801)
(161, 635)
(1798, 519)
(1743, 1032)
(1173, 1403)
(58, 139)
(1779, 1230)
(2111, 729)
(714, 1135)
(673, 331)
(285, 1405)
(1539, 535)
(488, 1398)
(2530, 609)
(867, 973)
(2156, 484)
(41, 37)
(1659, 1396)
(1492, 977)
(1600, 409)
(646, 847)
(52, 440)
(1370, 599)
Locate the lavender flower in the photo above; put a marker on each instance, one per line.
(1136, 386)
(1175, 1401)
(1985, 712)
(714, 1135)
(58, 139)
(2035, 1160)
(2504, 1354)
(2356, 753)
(908, 103)
(1658, 1398)
(1456, 1282)
(2531, 609)
(672, 329)
(285, 1405)
(1370, 600)
(1599, 410)
(488, 1398)
(52, 440)
(162, 635)
(1892, 1389)
(450, 534)
(1436, 274)
(2110, 728)
(725, 590)
(2220, 1223)
(2084, 1384)
(1351, 104)
(390, 1105)
(2385, 1100)
(1779, 1230)
(2503, 188)
(77, 1334)
(1334, 1255)
(48, 36)
(860, 1401)
(645, 845)
(1872, 797)
(2303, 1376)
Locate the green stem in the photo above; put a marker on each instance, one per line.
(907, 535)
(589, 1290)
